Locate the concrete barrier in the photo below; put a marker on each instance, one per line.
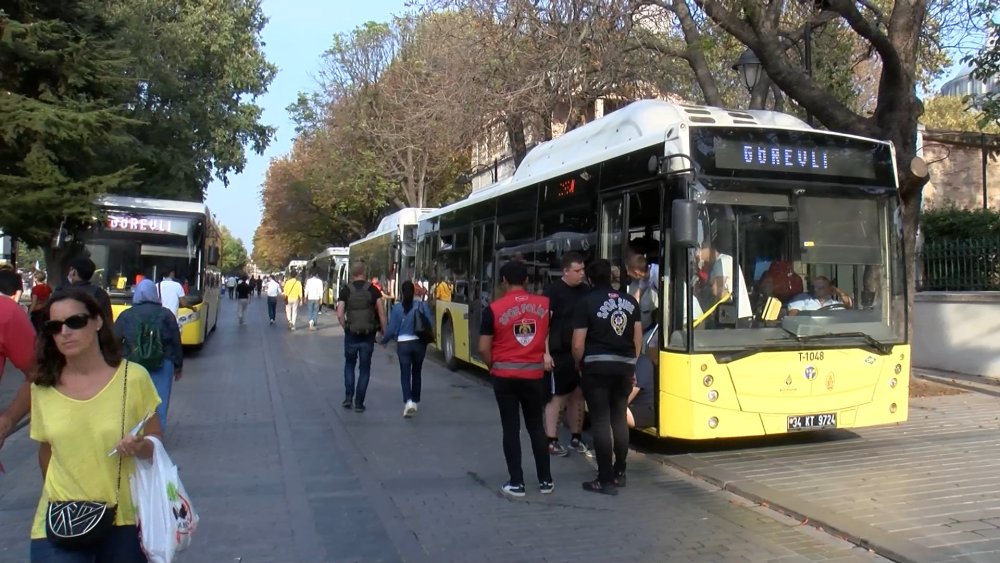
(957, 331)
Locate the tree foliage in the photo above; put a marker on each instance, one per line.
(955, 114)
(959, 224)
(135, 98)
(234, 253)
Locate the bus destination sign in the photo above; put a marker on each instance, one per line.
(791, 154)
(158, 224)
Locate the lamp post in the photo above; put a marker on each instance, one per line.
(748, 65)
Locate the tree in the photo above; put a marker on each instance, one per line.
(234, 254)
(64, 130)
(954, 114)
(986, 61)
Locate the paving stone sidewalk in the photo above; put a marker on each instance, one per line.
(926, 490)
(280, 472)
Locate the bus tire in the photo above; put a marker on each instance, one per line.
(448, 345)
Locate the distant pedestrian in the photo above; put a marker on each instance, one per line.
(40, 293)
(231, 286)
(607, 339)
(409, 348)
(259, 285)
(171, 292)
(84, 401)
(313, 295)
(242, 300)
(293, 299)
(512, 342)
(362, 314)
(272, 290)
(134, 326)
(17, 342)
(81, 272)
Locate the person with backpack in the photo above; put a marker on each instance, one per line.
(361, 313)
(152, 339)
(405, 321)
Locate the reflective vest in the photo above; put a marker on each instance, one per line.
(520, 329)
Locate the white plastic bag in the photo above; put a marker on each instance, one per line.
(166, 519)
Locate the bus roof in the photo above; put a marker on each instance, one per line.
(390, 223)
(332, 251)
(148, 203)
(638, 125)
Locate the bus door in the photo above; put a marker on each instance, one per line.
(630, 223)
(482, 279)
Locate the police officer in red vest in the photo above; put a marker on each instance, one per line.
(513, 342)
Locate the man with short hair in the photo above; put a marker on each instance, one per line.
(81, 271)
(824, 294)
(272, 289)
(513, 342)
(243, 299)
(607, 339)
(17, 342)
(313, 295)
(362, 314)
(231, 286)
(564, 294)
(171, 293)
(293, 299)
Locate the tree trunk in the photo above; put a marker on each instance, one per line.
(514, 123)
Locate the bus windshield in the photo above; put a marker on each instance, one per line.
(778, 270)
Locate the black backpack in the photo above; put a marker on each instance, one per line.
(147, 345)
(360, 310)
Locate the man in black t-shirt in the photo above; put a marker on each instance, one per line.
(243, 299)
(362, 318)
(607, 338)
(564, 385)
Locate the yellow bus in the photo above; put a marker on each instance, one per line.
(331, 266)
(146, 238)
(697, 190)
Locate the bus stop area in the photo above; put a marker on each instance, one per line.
(280, 472)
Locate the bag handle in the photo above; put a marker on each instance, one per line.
(118, 486)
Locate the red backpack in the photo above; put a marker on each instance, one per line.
(783, 280)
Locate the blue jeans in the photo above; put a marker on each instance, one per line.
(357, 348)
(163, 380)
(121, 546)
(272, 307)
(313, 305)
(411, 362)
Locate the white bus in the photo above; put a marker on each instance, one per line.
(390, 251)
(331, 266)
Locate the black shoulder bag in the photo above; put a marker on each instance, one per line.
(422, 326)
(77, 524)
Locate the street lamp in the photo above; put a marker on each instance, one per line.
(748, 66)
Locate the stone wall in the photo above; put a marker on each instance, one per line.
(957, 175)
(957, 332)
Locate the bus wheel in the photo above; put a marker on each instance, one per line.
(448, 346)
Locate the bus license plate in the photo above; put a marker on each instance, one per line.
(812, 421)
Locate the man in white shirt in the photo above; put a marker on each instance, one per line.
(824, 294)
(272, 289)
(313, 295)
(171, 293)
(231, 286)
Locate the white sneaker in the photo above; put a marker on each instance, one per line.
(409, 409)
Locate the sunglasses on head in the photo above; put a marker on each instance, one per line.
(76, 322)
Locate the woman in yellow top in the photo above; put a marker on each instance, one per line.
(293, 298)
(82, 398)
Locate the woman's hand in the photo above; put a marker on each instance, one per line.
(177, 375)
(131, 446)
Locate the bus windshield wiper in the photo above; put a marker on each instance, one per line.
(879, 346)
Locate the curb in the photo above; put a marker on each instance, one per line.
(887, 544)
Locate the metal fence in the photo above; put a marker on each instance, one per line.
(959, 265)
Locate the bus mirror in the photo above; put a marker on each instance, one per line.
(213, 256)
(684, 223)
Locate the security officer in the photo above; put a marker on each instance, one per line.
(513, 342)
(607, 339)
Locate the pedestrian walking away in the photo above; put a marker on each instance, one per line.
(410, 349)
(243, 299)
(607, 339)
(172, 293)
(85, 399)
(313, 295)
(17, 342)
(362, 314)
(293, 299)
(513, 342)
(40, 293)
(272, 289)
(564, 386)
(152, 338)
(231, 286)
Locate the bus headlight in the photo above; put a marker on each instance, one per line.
(708, 381)
(892, 383)
(898, 369)
(713, 422)
(713, 395)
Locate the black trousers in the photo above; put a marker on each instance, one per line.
(607, 404)
(529, 395)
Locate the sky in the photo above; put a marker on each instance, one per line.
(297, 34)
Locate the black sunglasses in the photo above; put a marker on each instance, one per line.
(76, 322)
